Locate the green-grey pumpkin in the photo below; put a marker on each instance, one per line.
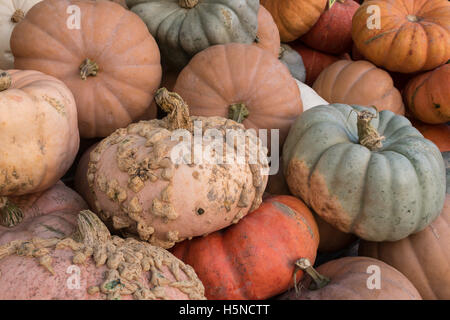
(293, 60)
(367, 173)
(184, 27)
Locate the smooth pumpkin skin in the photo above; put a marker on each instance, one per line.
(383, 195)
(182, 32)
(223, 75)
(113, 37)
(360, 83)
(294, 17)
(332, 239)
(428, 95)
(38, 132)
(332, 33)
(401, 43)
(423, 257)
(268, 37)
(438, 133)
(255, 258)
(349, 278)
(293, 60)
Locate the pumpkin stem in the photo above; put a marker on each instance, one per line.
(368, 135)
(320, 281)
(91, 230)
(5, 81)
(10, 214)
(281, 52)
(18, 16)
(176, 107)
(187, 4)
(238, 112)
(412, 18)
(88, 68)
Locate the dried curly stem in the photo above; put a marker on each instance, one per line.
(10, 214)
(320, 281)
(5, 81)
(177, 109)
(18, 16)
(368, 135)
(88, 68)
(187, 4)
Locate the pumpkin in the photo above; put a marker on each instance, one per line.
(254, 259)
(313, 60)
(413, 35)
(38, 131)
(332, 33)
(81, 184)
(294, 17)
(423, 257)
(360, 83)
(244, 83)
(48, 214)
(139, 186)
(92, 264)
(348, 278)
(11, 13)
(267, 37)
(183, 28)
(428, 95)
(366, 173)
(293, 60)
(111, 63)
(332, 239)
(310, 98)
(438, 133)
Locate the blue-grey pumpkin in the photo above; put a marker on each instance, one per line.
(293, 60)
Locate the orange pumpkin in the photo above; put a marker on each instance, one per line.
(254, 259)
(428, 96)
(268, 37)
(412, 35)
(438, 133)
(332, 239)
(359, 83)
(110, 62)
(244, 83)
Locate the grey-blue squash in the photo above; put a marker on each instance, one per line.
(379, 189)
(183, 28)
(294, 61)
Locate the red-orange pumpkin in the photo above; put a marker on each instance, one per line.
(438, 133)
(254, 259)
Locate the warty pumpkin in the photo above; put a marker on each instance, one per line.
(413, 35)
(107, 267)
(183, 28)
(427, 96)
(294, 17)
(38, 131)
(360, 83)
(367, 173)
(140, 188)
(293, 60)
(111, 63)
(267, 37)
(254, 259)
(348, 278)
(424, 257)
(245, 84)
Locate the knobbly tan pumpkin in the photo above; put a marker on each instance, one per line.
(108, 267)
(268, 37)
(138, 186)
(38, 131)
(111, 63)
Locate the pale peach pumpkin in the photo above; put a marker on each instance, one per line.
(267, 37)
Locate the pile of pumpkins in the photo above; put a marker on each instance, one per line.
(93, 207)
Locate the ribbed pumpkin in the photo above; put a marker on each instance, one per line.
(348, 278)
(38, 131)
(111, 63)
(360, 83)
(367, 173)
(254, 259)
(183, 28)
(413, 35)
(267, 37)
(424, 258)
(332, 33)
(427, 96)
(294, 17)
(293, 60)
(438, 133)
(244, 83)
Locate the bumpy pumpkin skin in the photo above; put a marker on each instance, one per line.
(294, 17)
(267, 37)
(223, 75)
(428, 96)
(38, 130)
(44, 268)
(360, 83)
(11, 13)
(382, 195)
(182, 32)
(293, 60)
(414, 35)
(349, 277)
(423, 257)
(114, 38)
(255, 258)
